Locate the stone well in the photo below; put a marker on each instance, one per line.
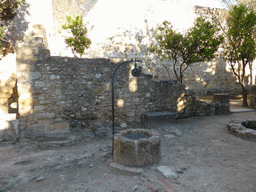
(245, 129)
(137, 147)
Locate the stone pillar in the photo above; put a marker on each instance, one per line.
(221, 103)
(29, 57)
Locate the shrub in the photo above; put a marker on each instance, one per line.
(78, 42)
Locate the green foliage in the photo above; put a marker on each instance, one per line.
(200, 43)
(240, 45)
(241, 35)
(7, 9)
(78, 42)
(7, 12)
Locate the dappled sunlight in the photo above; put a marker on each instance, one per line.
(107, 86)
(133, 84)
(180, 103)
(120, 102)
(7, 67)
(199, 79)
(24, 87)
(211, 67)
(132, 80)
(7, 80)
(25, 103)
(3, 124)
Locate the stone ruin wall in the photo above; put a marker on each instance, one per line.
(48, 106)
(59, 94)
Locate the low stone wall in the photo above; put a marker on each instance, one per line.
(190, 105)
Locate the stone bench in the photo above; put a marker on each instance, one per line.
(154, 118)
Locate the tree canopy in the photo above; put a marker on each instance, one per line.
(7, 9)
(240, 45)
(7, 12)
(198, 44)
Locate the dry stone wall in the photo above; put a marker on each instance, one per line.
(59, 94)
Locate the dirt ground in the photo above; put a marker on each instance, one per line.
(206, 158)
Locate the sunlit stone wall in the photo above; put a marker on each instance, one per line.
(59, 94)
(7, 81)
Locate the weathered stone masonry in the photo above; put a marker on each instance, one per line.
(58, 94)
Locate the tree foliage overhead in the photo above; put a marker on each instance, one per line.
(240, 45)
(7, 12)
(78, 42)
(7, 9)
(199, 44)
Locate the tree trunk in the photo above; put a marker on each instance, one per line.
(244, 94)
(181, 78)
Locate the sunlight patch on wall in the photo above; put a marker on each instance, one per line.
(120, 102)
(108, 86)
(180, 103)
(3, 124)
(132, 80)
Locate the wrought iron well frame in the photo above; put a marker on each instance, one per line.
(135, 72)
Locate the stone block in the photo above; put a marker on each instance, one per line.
(144, 155)
(155, 149)
(126, 155)
(39, 84)
(189, 92)
(46, 115)
(137, 147)
(151, 119)
(62, 127)
(167, 172)
(38, 108)
(35, 75)
(37, 129)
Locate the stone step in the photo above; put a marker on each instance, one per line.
(45, 141)
(154, 118)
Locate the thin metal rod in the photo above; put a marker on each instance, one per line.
(113, 104)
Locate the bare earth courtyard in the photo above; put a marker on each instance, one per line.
(200, 150)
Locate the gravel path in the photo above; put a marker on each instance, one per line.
(203, 154)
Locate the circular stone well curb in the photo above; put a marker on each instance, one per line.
(236, 128)
(137, 153)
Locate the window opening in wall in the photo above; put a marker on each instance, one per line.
(13, 101)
